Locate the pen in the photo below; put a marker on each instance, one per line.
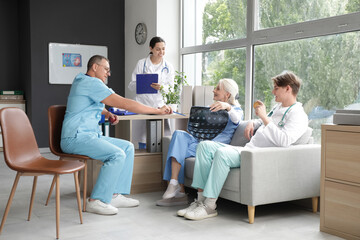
(180, 114)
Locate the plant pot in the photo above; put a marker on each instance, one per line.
(174, 107)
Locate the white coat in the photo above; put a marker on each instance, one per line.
(166, 78)
(273, 135)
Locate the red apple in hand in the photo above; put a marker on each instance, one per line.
(112, 119)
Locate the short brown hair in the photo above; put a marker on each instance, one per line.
(288, 78)
(95, 59)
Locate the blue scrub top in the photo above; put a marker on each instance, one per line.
(84, 106)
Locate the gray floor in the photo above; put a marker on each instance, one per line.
(275, 221)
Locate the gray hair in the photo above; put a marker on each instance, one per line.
(230, 86)
(96, 59)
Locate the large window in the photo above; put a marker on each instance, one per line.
(210, 21)
(329, 67)
(275, 13)
(254, 40)
(210, 67)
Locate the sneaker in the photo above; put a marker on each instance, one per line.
(171, 191)
(201, 212)
(120, 201)
(167, 202)
(99, 207)
(192, 206)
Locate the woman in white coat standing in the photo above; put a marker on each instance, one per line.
(154, 63)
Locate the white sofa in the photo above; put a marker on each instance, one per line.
(268, 175)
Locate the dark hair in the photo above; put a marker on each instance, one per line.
(288, 78)
(154, 41)
(95, 59)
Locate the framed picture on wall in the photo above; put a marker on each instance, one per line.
(67, 60)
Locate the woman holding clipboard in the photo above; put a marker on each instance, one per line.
(154, 63)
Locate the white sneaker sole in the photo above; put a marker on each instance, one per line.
(101, 212)
(202, 217)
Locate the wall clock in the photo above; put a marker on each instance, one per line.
(140, 33)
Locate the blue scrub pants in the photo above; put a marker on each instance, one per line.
(117, 155)
(182, 145)
(212, 166)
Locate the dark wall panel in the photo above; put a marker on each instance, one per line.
(77, 22)
(9, 46)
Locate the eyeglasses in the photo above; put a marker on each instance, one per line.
(106, 68)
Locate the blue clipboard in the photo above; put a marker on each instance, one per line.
(117, 111)
(143, 82)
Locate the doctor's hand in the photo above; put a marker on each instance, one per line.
(249, 130)
(260, 109)
(165, 110)
(113, 119)
(216, 106)
(156, 86)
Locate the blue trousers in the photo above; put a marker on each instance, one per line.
(117, 155)
(212, 166)
(182, 145)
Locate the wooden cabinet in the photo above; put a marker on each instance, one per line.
(340, 181)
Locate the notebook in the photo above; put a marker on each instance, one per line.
(143, 82)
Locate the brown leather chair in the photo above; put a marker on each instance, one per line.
(56, 115)
(22, 154)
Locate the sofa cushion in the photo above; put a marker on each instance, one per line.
(189, 167)
(305, 138)
(238, 138)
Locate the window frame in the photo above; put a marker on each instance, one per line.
(309, 29)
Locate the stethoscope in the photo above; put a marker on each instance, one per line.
(281, 123)
(162, 70)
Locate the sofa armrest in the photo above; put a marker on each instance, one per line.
(271, 175)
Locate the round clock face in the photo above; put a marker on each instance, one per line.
(140, 33)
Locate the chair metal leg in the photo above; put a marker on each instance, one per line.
(57, 205)
(50, 191)
(85, 186)
(32, 197)
(77, 189)
(12, 193)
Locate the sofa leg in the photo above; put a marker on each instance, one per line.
(315, 201)
(251, 213)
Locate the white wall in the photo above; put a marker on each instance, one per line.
(162, 18)
(168, 27)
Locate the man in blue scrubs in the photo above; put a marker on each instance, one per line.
(81, 135)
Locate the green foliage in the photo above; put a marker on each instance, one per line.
(172, 95)
(328, 66)
(224, 20)
(353, 6)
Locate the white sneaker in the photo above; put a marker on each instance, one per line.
(201, 212)
(171, 191)
(192, 206)
(99, 207)
(120, 201)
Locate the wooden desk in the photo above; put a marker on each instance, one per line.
(123, 129)
(147, 174)
(340, 181)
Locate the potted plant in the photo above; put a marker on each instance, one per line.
(172, 96)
